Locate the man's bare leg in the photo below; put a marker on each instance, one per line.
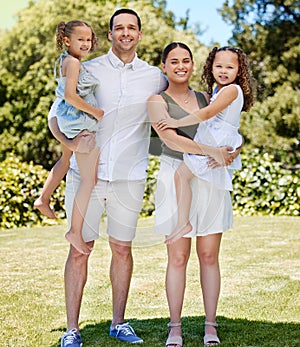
(120, 277)
(75, 280)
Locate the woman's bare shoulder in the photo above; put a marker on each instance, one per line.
(155, 97)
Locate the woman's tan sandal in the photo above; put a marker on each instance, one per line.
(210, 339)
(174, 340)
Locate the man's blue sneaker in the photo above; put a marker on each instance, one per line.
(124, 332)
(71, 339)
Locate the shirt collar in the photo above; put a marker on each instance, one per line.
(117, 63)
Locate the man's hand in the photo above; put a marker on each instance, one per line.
(167, 123)
(84, 142)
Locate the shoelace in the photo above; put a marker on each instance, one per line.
(70, 336)
(125, 329)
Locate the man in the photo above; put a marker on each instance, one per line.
(126, 82)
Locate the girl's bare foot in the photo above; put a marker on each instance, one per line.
(77, 242)
(178, 233)
(44, 208)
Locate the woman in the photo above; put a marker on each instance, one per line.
(211, 210)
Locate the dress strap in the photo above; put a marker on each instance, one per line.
(201, 99)
(59, 61)
(167, 98)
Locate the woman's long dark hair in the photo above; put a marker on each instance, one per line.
(172, 46)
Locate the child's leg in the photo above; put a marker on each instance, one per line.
(182, 179)
(56, 174)
(88, 165)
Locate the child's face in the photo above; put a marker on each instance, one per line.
(80, 42)
(225, 67)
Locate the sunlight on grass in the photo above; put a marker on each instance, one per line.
(259, 303)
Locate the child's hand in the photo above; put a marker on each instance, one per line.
(98, 113)
(167, 123)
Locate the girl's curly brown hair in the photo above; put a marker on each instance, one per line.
(65, 30)
(244, 78)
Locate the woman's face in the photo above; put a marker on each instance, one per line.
(178, 66)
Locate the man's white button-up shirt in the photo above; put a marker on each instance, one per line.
(124, 131)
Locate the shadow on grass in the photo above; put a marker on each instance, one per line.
(232, 332)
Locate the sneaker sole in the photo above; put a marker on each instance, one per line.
(81, 345)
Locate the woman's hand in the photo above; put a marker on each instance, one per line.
(167, 123)
(221, 156)
(214, 160)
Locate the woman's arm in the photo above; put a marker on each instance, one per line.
(157, 109)
(225, 98)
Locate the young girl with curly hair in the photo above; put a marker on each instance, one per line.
(227, 69)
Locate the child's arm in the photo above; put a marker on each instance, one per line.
(225, 98)
(71, 68)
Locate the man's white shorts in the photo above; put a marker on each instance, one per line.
(121, 200)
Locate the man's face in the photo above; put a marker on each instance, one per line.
(125, 33)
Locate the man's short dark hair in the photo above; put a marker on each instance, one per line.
(128, 11)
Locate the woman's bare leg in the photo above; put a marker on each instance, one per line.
(178, 256)
(54, 178)
(208, 253)
(182, 179)
(88, 165)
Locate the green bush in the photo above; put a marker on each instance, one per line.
(264, 187)
(149, 196)
(21, 184)
(261, 187)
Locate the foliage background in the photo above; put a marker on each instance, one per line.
(262, 187)
(268, 31)
(27, 59)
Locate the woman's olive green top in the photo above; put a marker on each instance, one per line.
(176, 112)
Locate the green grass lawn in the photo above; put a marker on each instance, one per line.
(259, 303)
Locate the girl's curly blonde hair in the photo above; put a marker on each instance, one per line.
(244, 78)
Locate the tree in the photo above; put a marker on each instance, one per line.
(268, 31)
(27, 59)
